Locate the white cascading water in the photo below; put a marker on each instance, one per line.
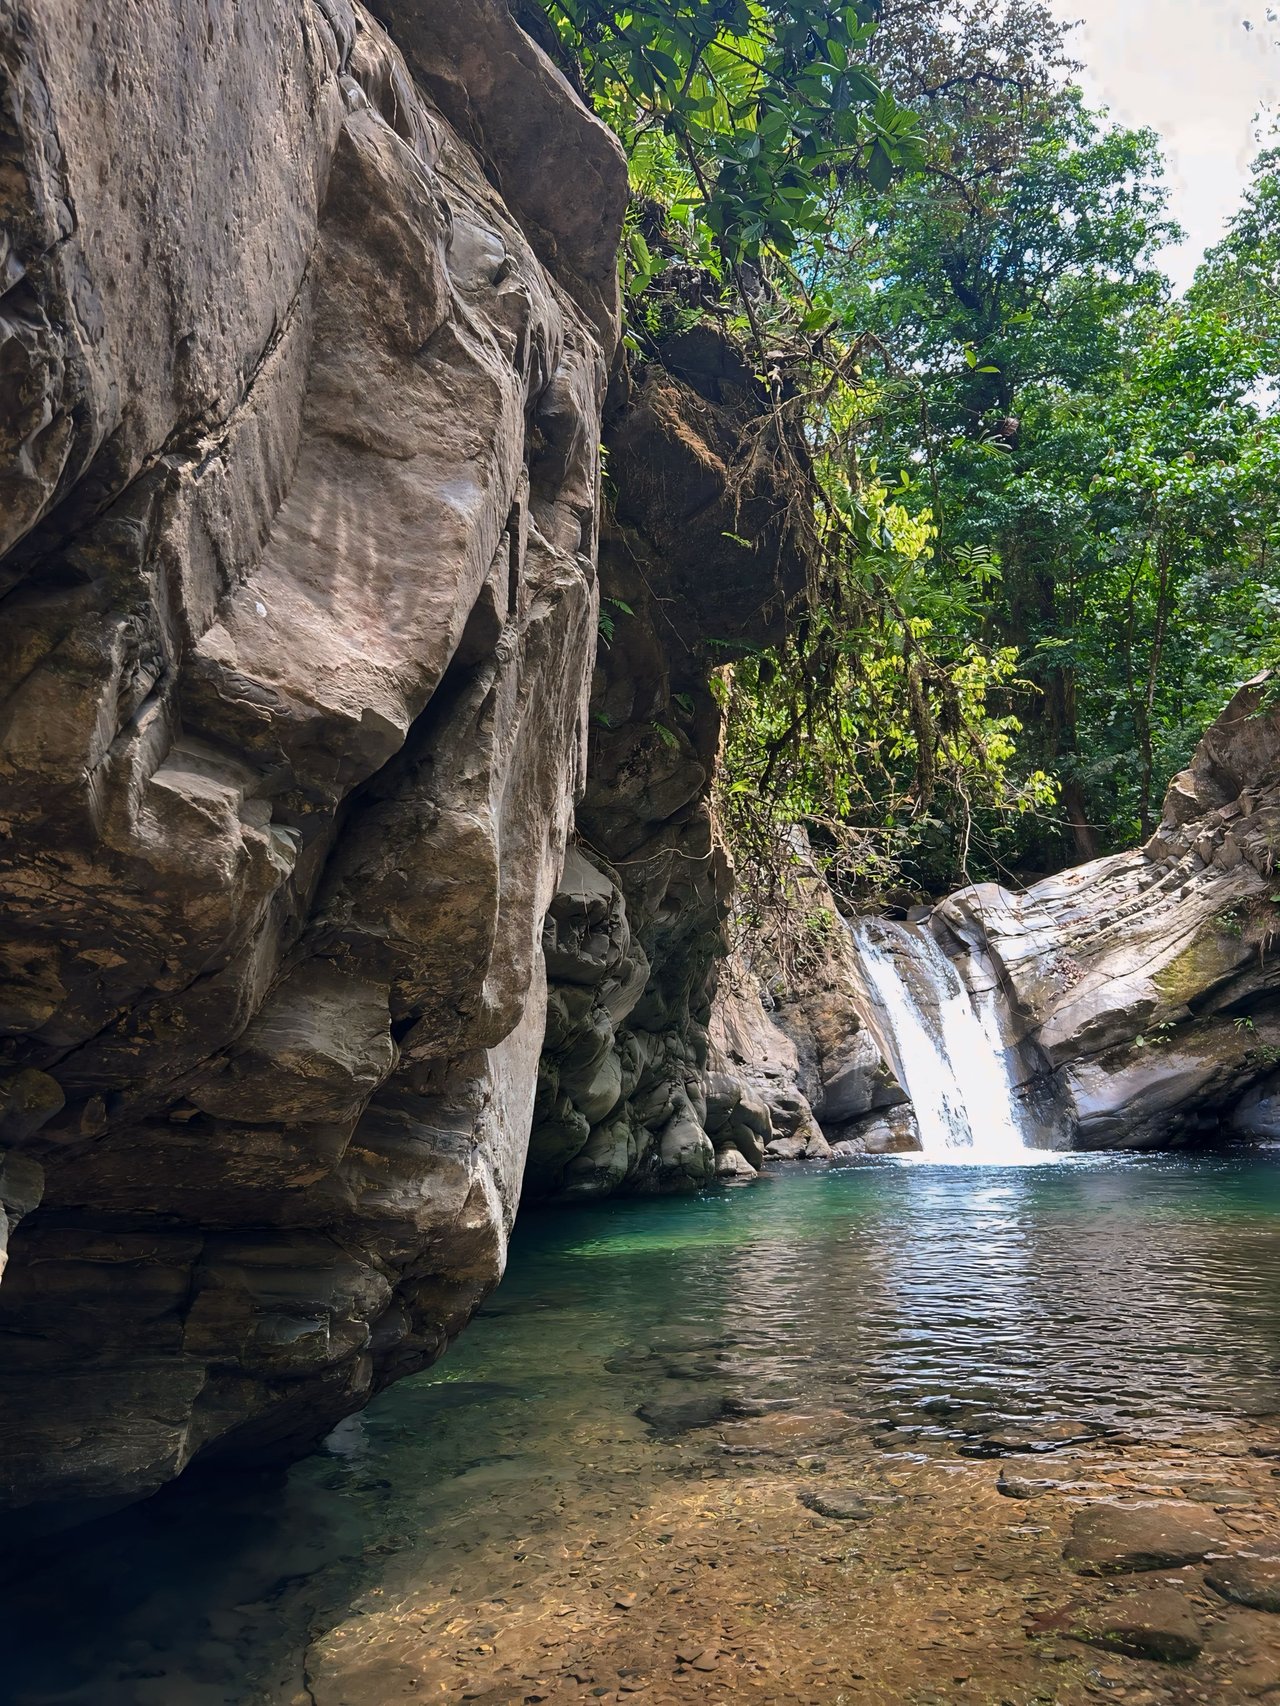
(949, 1055)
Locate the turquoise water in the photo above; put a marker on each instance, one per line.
(928, 1303)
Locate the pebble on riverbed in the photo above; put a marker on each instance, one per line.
(1030, 1441)
(1018, 1487)
(839, 1504)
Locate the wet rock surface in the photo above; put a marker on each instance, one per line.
(1156, 1623)
(1246, 1580)
(733, 1575)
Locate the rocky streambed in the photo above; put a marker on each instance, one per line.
(882, 1433)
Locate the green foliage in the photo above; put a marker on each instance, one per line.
(1156, 1038)
(608, 622)
(1231, 922)
(1044, 490)
(742, 114)
(873, 727)
(1241, 275)
(1112, 450)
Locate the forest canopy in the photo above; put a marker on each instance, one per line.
(1044, 482)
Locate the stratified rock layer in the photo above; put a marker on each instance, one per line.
(298, 488)
(1143, 991)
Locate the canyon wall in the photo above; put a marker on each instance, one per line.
(639, 929)
(306, 333)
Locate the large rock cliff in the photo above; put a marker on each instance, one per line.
(305, 335)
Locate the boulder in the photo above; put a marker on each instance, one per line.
(891, 1133)
(733, 1167)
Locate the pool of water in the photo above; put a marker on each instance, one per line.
(927, 1303)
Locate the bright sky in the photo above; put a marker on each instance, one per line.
(1190, 70)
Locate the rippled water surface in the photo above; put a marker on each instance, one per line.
(928, 1302)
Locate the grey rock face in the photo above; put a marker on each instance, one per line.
(1140, 989)
(801, 1045)
(299, 488)
(638, 932)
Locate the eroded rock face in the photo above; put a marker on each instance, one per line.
(298, 489)
(795, 1035)
(755, 1094)
(1143, 991)
(638, 930)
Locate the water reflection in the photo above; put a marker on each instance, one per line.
(1140, 1293)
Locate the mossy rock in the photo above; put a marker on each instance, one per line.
(1209, 959)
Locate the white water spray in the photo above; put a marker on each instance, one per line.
(947, 1050)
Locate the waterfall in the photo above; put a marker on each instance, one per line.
(947, 1049)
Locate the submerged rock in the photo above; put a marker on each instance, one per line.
(1248, 1580)
(838, 1503)
(1154, 1624)
(1111, 1540)
(1018, 1487)
(1004, 1441)
(682, 1415)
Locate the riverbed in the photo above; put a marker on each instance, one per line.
(748, 1445)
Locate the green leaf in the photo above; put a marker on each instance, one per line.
(880, 166)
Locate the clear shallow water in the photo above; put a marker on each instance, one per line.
(924, 1301)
